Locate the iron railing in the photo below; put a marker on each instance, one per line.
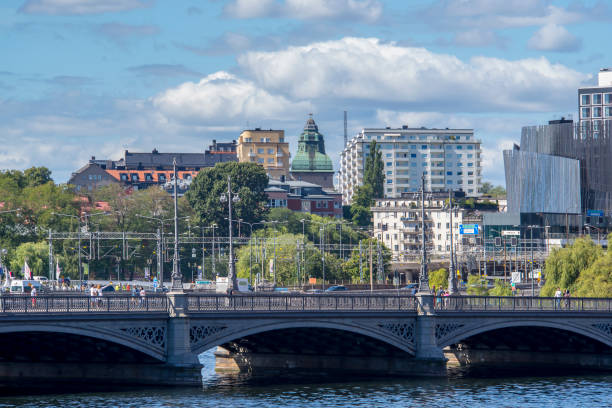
(521, 303)
(301, 302)
(83, 304)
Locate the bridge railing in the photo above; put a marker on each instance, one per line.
(82, 304)
(300, 302)
(521, 303)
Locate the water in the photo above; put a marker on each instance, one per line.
(459, 391)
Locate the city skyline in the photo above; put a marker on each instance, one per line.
(81, 78)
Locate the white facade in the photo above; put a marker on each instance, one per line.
(397, 223)
(595, 104)
(449, 159)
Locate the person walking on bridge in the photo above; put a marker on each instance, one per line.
(558, 295)
(33, 294)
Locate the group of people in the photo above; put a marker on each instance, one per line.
(439, 294)
(562, 294)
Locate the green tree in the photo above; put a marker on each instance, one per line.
(351, 266)
(563, 266)
(36, 176)
(438, 278)
(249, 180)
(477, 286)
(373, 174)
(501, 289)
(362, 201)
(596, 280)
(37, 256)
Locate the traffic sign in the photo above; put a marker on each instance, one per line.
(511, 232)
(468, 229)
(595, 213)
(516, 277)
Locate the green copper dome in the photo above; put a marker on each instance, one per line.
(311, 150)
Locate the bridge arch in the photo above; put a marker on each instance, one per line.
(586, 330)
(402, 340)
(154, 354)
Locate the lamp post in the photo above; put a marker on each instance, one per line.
(452, 277)
(230, 198)
(589, 226)
(423, 275)
(177, 277)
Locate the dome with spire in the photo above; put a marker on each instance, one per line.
(310, 156)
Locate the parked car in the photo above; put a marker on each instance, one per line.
(336, 288)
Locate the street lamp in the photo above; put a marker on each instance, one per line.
(598, 231)
(452, 277)
(230, 198)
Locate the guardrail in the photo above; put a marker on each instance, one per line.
(521, 303)
(83, 304)
(301, 303)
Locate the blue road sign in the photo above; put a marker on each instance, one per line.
(468, 229)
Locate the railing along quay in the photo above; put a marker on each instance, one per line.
(301, 303)
(83, 304)
(521, 303)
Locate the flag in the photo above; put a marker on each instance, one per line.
(27, 273)
(58, 271)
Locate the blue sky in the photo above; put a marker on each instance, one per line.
(92, 77)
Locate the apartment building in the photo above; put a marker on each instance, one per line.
(449, 159)
(595, 104)
(266, 148)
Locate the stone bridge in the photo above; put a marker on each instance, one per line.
(157, 340)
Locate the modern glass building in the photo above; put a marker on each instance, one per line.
(449, 159)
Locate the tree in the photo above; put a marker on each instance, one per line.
(37, 256)
(351, 266)
(564, 266)
(373, 174)
(596, 280)
(477, 286)
(438, 278)
(249, 180)
(501, 289)
(362, 201)
(36, 176)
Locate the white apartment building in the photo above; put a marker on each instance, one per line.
(397, 223)
(449, 159)
(595, 104)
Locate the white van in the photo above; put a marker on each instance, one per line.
(25, 286)
(222, 283)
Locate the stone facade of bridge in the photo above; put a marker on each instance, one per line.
(162, 347)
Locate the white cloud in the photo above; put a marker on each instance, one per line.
(222, 97)
(72, 7)
(369, 70)
(367, 10)
(553, 37)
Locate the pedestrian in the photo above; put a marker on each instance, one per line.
(33, 294)
(566, 295)
(92, 294)
(558, 295)
(513, 289)
(100, 294)
(143, 294)
(433, 291)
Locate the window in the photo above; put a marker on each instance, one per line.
(608, 98)
(585, 99)
(459, 164)
(596, 99)
(585, 112)
(389, 164)
(469, 156)
(260, 160)
(389, 173)
(608, 112)
(281, 140)
(413, 164)
(470, 164)
(471, 190)
(337, 204)
(248, 140)
(449, 173)
(459, 181)
(460, 173)
(596, 125)
(270, 151)
(389, 181)
(123, 177)
(449, 181)
(161, 177)
(470, 147)
(470, 173)
(597, 112)
(470, 181)
(134, 177)
(414, 154)
(148, 177)
(388, 155)
(459, 147)
(423, 156)
(321, 204)
(271, 160)
(260, 150)
(458, 156)
(423, 147)
(413, 147)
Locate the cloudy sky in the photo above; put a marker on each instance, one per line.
(94, 77)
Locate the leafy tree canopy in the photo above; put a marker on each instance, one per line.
(373, 174)
(249, 180)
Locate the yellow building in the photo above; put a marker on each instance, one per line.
(267, 148)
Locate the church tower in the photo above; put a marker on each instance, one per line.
(311, 164)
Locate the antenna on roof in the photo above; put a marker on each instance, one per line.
(345, 134)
